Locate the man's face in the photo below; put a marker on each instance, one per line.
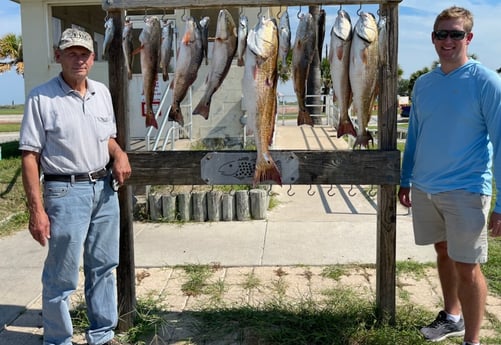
(448, 43)
(75, 61)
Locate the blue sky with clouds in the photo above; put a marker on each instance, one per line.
(416, 19)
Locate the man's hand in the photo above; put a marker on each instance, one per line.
(39, 227)
(404, 196)
(495, 224)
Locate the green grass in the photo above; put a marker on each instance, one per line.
(8, 110)
(13, 211)
(9, 127)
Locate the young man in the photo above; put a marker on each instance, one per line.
(68, 132)
(453, 138)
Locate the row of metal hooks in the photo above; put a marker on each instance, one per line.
(372, 192)
(184, 17)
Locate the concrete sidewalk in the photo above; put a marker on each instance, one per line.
(305, 230)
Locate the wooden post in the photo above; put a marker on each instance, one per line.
(387, 132)
(117, 83)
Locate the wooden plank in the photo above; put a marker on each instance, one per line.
(179, 4)
(387, 132)
(315, 167)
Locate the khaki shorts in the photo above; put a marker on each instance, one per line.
(458, 217)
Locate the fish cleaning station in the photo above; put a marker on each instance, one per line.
(204, 86)
(375, 167)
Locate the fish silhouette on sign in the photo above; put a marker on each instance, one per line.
(242, 168)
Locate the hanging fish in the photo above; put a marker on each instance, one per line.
(188, 62)
(302, 55)
(166, 48)
(260, 90)
(127, 46)
(225, 45)
(204, 30)
(339, 59)
(284, 39)
(109, 31)
(364, 62)
(243, 29)
(150, 54)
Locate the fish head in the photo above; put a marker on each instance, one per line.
(342, 26)
(127, 30)
(190, 31)
(204, 22)
(284, 20)
(225, 27)
(264, 41)
(366, 27)
(244, 22)
(151, 29)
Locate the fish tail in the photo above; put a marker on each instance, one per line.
(240, 62)
(363, 140)
(203, 108)
(150, 121)
(176, 115)
(129, 74)
(165, 75)
(346, 127)
(267, 171)
(304, 118)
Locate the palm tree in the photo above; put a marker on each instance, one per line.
(11, 54)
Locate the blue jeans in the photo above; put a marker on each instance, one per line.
(83, 215)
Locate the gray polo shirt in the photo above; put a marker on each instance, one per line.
(70, 132)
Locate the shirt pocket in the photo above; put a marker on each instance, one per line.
(104, 126)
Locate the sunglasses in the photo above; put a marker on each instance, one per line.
(455, 35)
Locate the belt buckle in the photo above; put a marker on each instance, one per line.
(91, 179)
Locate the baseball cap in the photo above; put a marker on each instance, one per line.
(74, 37)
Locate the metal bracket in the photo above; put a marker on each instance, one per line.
(223, 168)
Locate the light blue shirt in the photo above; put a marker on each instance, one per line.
(454, 132)
(70, 132)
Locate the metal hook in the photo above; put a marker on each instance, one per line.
(279, 12)
(310, 192)
(299, 12)
(145, 14)
(171, 190)
(269, 190)
(259, 13)
(290, 192)
(351, 192)
(163, 16)
(340, 8)
(359, 9)
(331, 192)
(183, 17)
(373, 191)
(240, 11)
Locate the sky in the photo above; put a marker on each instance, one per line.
(415, 50)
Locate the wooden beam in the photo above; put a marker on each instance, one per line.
(174, 4)
(315, 167)
(119, 93)
(387, 132)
